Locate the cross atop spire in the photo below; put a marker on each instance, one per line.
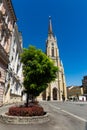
(50, 32)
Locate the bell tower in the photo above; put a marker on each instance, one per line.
(51, 45)
(57, 89)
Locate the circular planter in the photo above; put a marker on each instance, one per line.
(24, 120)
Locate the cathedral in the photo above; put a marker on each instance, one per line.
(56, 90)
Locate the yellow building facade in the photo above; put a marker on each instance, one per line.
(74, 92)
(56, 90)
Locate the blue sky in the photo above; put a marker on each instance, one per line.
(69, 21)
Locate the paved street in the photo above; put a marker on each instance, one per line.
(63, 116)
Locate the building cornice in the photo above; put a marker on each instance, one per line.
(10, 6)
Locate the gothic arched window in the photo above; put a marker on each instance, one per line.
(52, 50)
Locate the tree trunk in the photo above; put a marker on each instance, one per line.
(27, 100)
(33, 99)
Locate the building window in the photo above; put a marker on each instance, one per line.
(52, 44)
(18, 67)
(16, 53)
(52, 51)
(0, 74)
(0, 1)
(16, 87)
(12, 58)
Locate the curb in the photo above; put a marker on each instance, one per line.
(24, 120)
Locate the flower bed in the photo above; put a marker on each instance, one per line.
(32, 114)
(34, 110)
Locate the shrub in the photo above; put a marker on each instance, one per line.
(26, 111)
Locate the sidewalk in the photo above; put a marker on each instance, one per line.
(78, 102)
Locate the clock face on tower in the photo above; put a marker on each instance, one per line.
(52, 44)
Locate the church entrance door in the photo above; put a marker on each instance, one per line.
(54, 93)
(44, 95)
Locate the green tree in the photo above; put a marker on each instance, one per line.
(38, 71)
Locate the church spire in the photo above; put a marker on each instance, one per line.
(50, 32)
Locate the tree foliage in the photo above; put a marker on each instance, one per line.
(38, 70)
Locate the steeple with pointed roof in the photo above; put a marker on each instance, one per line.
(50, 31)
(57, 88)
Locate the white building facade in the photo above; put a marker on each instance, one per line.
(7, 20)
(14, 78)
